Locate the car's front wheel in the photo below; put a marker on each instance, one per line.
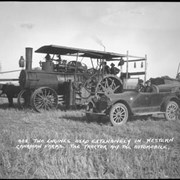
(171, 110)
(118, 114)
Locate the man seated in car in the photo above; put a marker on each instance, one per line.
(140, 87)
(148, 87)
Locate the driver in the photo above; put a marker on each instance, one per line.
(148, 87)
(140, 87)
(48, 57)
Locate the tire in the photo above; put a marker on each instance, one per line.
(119, 114)
(171, 111)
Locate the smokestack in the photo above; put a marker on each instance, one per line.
(29, 58)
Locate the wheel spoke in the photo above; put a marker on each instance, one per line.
(39, 105)
(43, 106)
(112, 84)
(106, 83)
(38, 101)
(116, 88)
(41, 96)
(49, 94)
(102, 88)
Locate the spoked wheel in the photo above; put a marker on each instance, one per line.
(171, 110)
(118, 114)
(44, 98)
(110, 84)
(23, 99)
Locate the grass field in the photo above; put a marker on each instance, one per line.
(63, 144)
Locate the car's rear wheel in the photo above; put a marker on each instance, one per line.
(171, 110)
(119, 114)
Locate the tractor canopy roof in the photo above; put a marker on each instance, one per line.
(71, 51)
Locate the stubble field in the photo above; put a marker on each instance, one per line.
(63, 144)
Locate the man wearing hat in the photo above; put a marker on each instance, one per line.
(105, 68)
(140, 87)
(113, 69)
(148, 87)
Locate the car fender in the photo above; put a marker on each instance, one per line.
(167, 99)
(124, 102)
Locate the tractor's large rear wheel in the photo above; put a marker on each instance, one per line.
(110, 84)
(44, 98)
(98, 85)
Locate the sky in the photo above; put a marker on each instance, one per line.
(141, 28)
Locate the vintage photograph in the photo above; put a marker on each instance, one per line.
(89, 90)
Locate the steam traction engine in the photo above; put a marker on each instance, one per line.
(73, 82)
(41, 88)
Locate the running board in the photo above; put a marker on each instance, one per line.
(148, 113)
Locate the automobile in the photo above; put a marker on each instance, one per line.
(120, 107)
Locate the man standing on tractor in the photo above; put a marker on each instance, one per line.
(48, 57)
(114, 70)
(105, 68)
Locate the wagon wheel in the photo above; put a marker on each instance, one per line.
(110, 84)
(23, 98)
(44, 98)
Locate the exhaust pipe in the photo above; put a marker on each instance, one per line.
(29, 58)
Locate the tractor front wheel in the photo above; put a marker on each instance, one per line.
(44, 98)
